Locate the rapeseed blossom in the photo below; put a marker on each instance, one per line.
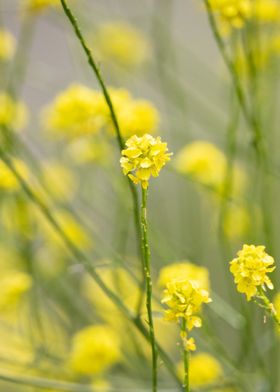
(14, 285)
(250, 269)
(266, 11)
(12, 113)
(235, 13)
(7, 45)
(144, 157)
(94, 350)
(38, 5)
(8, 180)
(184, 270)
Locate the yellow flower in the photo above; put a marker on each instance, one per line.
(250, 270)
(75, 112)
(236, 222)
(12, 113)
(266, 11)
(184, 299)
(144, 157)
(12, 287)
(38, 5)
(94, 350)
(7, 45)
(184, 270)
(8, 181)
(233, 12)
(204, 370)
(121, 44)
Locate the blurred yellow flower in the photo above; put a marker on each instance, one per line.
(59, 181)
(250, 270)
(233, 12)
(90, 150)
(7, 45)
(76, 111)
(38, 5)
(204, 370)
(236, 221)
(184, 270)
(12, 113)
(13, 286)
(121, 44)
(266, 11)
(101, 385)
(144, 157)
(94, 350)
(8, 181)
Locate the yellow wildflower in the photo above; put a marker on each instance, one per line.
(12, 287)
(144, 157)
(233, 12)
(38, 5)
(184, 270)
(250, 270)
(7, 45)
(204, 370)
(12, 113)
(266, 11)
(121, 43)
(8, 181)
(236, 222)
(94, 350)
(75, 112)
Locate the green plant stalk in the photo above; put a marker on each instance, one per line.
(268, 306)
(73, 21)
(186, 383)
(149, 285)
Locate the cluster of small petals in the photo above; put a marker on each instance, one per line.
(144, 157)
(184, 299)
(234, 12)
(250, 270)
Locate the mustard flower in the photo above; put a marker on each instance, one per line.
(204, 369)
(13, 286)
(184, 270)
(250, 269)
(38, 5)
(144, 157)
(94, 350)
(235, 13)
(266, 11)
(184, 299)
(12, 113)
(121, 43)
(7, 45)
(8, 181)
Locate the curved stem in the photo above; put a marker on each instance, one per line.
(149, 288)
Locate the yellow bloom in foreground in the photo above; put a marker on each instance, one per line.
(8, 181)
(204, 370)
(250, 270)
(266, 11)
(75, 112)
(233, 12)
(7, 45)
(94, 350)
(184, 270)
(12, 113)
(184, 299)
(144, 157)
(121, 43)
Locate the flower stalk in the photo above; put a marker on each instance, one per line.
(186, 382)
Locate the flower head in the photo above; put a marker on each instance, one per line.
(7, 45)
(144, 157)
(250, 270)
(232, 12)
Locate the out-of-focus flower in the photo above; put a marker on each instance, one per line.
(38, 5)
(144, 157)
(250, 270)
(90, 150)
(94, 350)
(204, 370)
(184, 299)
(236, 221)
(232, 12)
(121, 43)
(58, 180)
(13, 286)
(266, 11)
(12, 113)
(8, 181)
(7, 45)
(184, 270)
(76, 111)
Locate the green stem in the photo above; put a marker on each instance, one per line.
(73, 21)
(186, 381)
(268, 306)
(149, 288)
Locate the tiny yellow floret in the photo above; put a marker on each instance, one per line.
(250, 270)
(144, 157)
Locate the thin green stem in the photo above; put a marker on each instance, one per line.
(186, 380)
(149, 287)
(268, 306)
(74, 23)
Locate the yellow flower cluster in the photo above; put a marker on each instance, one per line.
(184, 270)
(81, 111)
(206, 164)
(204, 370)
(13, 286)
(250, 270)
(94, 350)
(144, 157)
(184, 299)
(12, 114)
(7, 45)
(233, 12)
(266, 11)
(121, 44)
